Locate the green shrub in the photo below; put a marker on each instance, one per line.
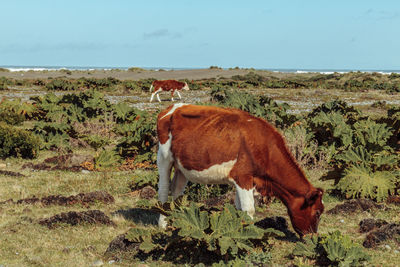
(60, 85)
(201, 192)
(106, 159)
(52, 134)
(98, 84)
(96, 141)
(143, 179)
(15, 142)
(332, 249)
(11, 117)
(260, 106)
(138, 132)
(196, 233)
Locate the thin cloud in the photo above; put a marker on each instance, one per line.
(381, 14)
(162, 33)
(40, 47)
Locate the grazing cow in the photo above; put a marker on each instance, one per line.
(212, 145)
(167, 85)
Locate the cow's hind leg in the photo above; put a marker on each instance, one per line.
(245, 200)
(164, 164)
(179, 94)
(172, 94)
(178, 184)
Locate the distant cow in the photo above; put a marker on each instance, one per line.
(212, 145)
(167, 85)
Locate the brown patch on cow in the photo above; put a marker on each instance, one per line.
(84, 199)
(67, 162)
(77, 218)
(376, 237)
(205, 136)
(369, 224)
(11, 173)
(355, 205)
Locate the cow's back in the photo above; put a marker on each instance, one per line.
(205, 136)
(168, 85)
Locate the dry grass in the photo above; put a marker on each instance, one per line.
(23, 242)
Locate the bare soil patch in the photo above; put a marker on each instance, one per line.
(11, 173)
(120, 247)
(84, 199)
(394, 200)
(67, 162)
(369, 224)
(383, 233)
(355, 205)
(77, 218)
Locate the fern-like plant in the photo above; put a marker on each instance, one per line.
(360, 181)
(106, 159)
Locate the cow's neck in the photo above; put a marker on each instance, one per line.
(282, 194)
(285, 172)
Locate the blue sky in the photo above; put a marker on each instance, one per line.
(308, 34)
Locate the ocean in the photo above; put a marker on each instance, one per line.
(87, 68)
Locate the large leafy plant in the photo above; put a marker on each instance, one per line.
(260, 106)
(138, 129)
(332, 249)
(360, 181)
(222, 235)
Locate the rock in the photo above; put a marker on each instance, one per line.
(98, 263)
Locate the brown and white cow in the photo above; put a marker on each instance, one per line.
(214, 145)
(167, 85)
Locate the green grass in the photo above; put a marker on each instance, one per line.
(24, 242)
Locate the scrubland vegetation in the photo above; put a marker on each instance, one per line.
(69, 140)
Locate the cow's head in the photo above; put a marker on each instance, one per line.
(186, 87)
(305, 213)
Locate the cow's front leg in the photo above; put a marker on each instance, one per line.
(164, 164)
(245, 200)
(179, 94)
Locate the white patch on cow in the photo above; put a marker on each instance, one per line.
(172, 110)
(244, 200)
(250, 120)
(216, 174)
(164, 164)
(165, 149)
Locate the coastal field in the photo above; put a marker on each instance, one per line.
(78, 179)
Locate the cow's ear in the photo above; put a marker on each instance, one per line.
(312, 196)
